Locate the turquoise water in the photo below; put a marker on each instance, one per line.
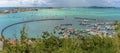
(34, 29)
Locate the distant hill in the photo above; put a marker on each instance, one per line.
(100, 7)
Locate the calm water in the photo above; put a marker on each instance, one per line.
(35, 29)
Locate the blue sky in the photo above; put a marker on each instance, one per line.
(59, 3)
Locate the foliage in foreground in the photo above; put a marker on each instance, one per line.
(77, 44)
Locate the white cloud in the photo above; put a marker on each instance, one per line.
(8, 3)
(69, 3)
(22, 3)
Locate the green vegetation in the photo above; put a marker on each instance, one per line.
(77, 44)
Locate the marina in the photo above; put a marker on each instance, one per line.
(81, 22)
(92, 29)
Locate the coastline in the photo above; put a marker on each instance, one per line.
(17, 10)
(24, 9)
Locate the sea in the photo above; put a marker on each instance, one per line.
(35, 29)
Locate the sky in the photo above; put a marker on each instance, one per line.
(59, 3)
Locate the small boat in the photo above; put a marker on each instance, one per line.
(109, 27)
(84, 22)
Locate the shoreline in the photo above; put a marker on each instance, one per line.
(17, 10)
(24, 9)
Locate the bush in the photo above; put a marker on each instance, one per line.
(49, 43)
